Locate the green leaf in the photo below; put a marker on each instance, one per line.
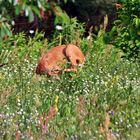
(65, 1)
(2, 32)
(36, 10)
(137, 22)
(17, 10)
(31, 16)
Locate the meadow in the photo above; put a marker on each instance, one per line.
(99, 102)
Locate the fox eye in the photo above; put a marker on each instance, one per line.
(77, 61)
(56, 70)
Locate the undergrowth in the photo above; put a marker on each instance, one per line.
(100, 101)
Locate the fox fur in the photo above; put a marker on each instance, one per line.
(52, 63)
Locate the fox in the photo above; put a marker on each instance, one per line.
(53, 62)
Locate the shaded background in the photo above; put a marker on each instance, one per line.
(90, 12)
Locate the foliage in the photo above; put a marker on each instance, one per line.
(70, 31)
(88, 11)
(100, 101)
(14, 48)
(11, 8)
(126, 30)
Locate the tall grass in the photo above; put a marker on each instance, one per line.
(100, 101)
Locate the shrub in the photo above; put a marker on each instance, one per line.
(126, 30)
(20, 14)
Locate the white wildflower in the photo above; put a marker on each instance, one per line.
(58, 27)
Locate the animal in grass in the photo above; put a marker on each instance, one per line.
(52, 63)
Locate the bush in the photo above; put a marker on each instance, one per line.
(25, 15)
(126, 30)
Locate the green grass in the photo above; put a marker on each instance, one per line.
(102, 97)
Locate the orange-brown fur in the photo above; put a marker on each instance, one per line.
(118, 6)
(52, 62)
